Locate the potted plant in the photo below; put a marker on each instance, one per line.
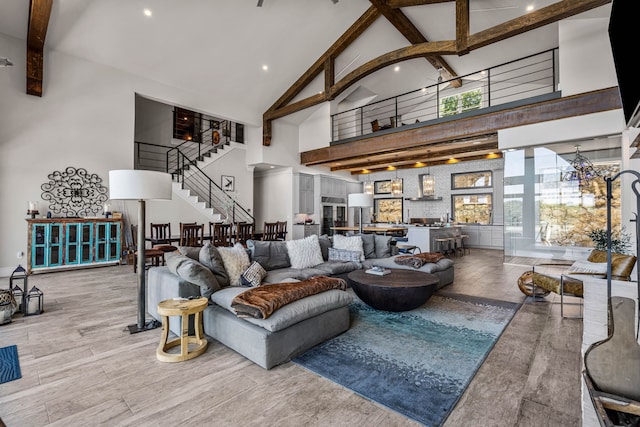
(620, 240)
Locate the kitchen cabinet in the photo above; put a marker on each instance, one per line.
(306, 193)
(300, 231)
(484, 236)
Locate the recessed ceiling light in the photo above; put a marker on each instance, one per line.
(424, 90)
(396, 68)
(265, 68)
(147, 12)
(530, 8)
(271, 167)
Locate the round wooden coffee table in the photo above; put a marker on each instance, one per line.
(400, 290)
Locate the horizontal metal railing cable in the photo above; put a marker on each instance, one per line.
(523, 78)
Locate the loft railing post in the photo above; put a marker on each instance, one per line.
(437, 100)
(553, 69)
(395, 114)
(361, 121)
(489, 87)
(210, 200)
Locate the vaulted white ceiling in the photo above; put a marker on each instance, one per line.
(219, 46)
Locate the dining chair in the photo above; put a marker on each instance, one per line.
(191, 234)
(281, 230)
(270, 231)
(154, 256)
(161, 237)
(220, 234)
(244, 232)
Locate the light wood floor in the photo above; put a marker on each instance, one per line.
(81, 367)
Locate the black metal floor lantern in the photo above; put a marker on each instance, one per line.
(19, 277)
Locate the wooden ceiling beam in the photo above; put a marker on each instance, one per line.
(404, 25)
(462, 26)
(531, 21)
(39, 13)
(356, 29)
(396, 4)
(434, 163)
(571, 106)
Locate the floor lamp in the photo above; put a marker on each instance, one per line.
(360, 200)
(140, 185)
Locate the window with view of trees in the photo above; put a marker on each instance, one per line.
(461, 102)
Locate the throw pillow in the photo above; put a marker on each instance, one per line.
(192, 252)
(325, 244)
(304, 253)
(343, 255)
(194, 272)
(253, 275)
(368, 245)
(349, 243)
(210, 258)
(236, 261)
(270, 254)
(383, 246)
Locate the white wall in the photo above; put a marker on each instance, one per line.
(84, 119)
(272, 197)
(315, 132)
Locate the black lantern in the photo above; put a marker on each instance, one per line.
(19, 277)
(34, 302)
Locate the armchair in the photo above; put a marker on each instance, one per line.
(534, 283)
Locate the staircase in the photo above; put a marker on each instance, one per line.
(185, 163)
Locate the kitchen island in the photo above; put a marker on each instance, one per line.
(424, 236)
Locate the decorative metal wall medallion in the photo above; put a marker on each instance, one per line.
(74, 193)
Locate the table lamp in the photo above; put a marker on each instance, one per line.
(140, 185)
(360, 200)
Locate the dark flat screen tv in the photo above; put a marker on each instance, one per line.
(622, 35)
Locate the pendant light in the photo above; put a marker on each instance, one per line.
(396, 185)
(580, 169)
(368, 187)
(428, 182)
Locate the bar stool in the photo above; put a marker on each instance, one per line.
(464, 246)
(442, 245)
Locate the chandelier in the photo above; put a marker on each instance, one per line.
(580, 169)
(396, 185)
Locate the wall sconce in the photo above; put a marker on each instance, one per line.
(34, 302)
(19, 277)
(32, 209)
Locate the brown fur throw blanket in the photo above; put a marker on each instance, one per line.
(260, 302)
(418, 260)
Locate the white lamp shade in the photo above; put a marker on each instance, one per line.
(360, 200)
(127, 184)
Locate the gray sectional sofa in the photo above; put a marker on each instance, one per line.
(290, 330)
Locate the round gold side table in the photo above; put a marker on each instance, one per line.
(183, 308)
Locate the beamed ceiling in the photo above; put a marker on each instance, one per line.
(471, 139)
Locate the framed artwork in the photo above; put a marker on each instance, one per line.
(382, 187)
(472, 208)
(228, 183)
(388, 209)
(481, 179)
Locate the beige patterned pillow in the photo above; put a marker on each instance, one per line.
(236, 261)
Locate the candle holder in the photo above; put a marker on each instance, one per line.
(32, 209)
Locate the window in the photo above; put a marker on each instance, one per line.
(471, 180)
(472, 208)
(388, 210)
(461, 102)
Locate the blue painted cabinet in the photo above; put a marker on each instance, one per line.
(59, 243)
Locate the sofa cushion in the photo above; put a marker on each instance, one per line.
(350, 243)
(236, 261)
(338, 267)
(325, 244)
(368, 245)
(305, 253)
(344, 255)
(253, 275)
(383, 246)
(192, 252)
(289, 314)
(270, 254)
(210, 258)
(192, 271)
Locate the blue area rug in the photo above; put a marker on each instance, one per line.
(418, 362)
(9, 364)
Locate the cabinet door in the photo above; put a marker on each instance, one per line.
(72, 247)
(85, 242)
(113, 253)
(39, 253)
(55, 245)
(102, 246)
